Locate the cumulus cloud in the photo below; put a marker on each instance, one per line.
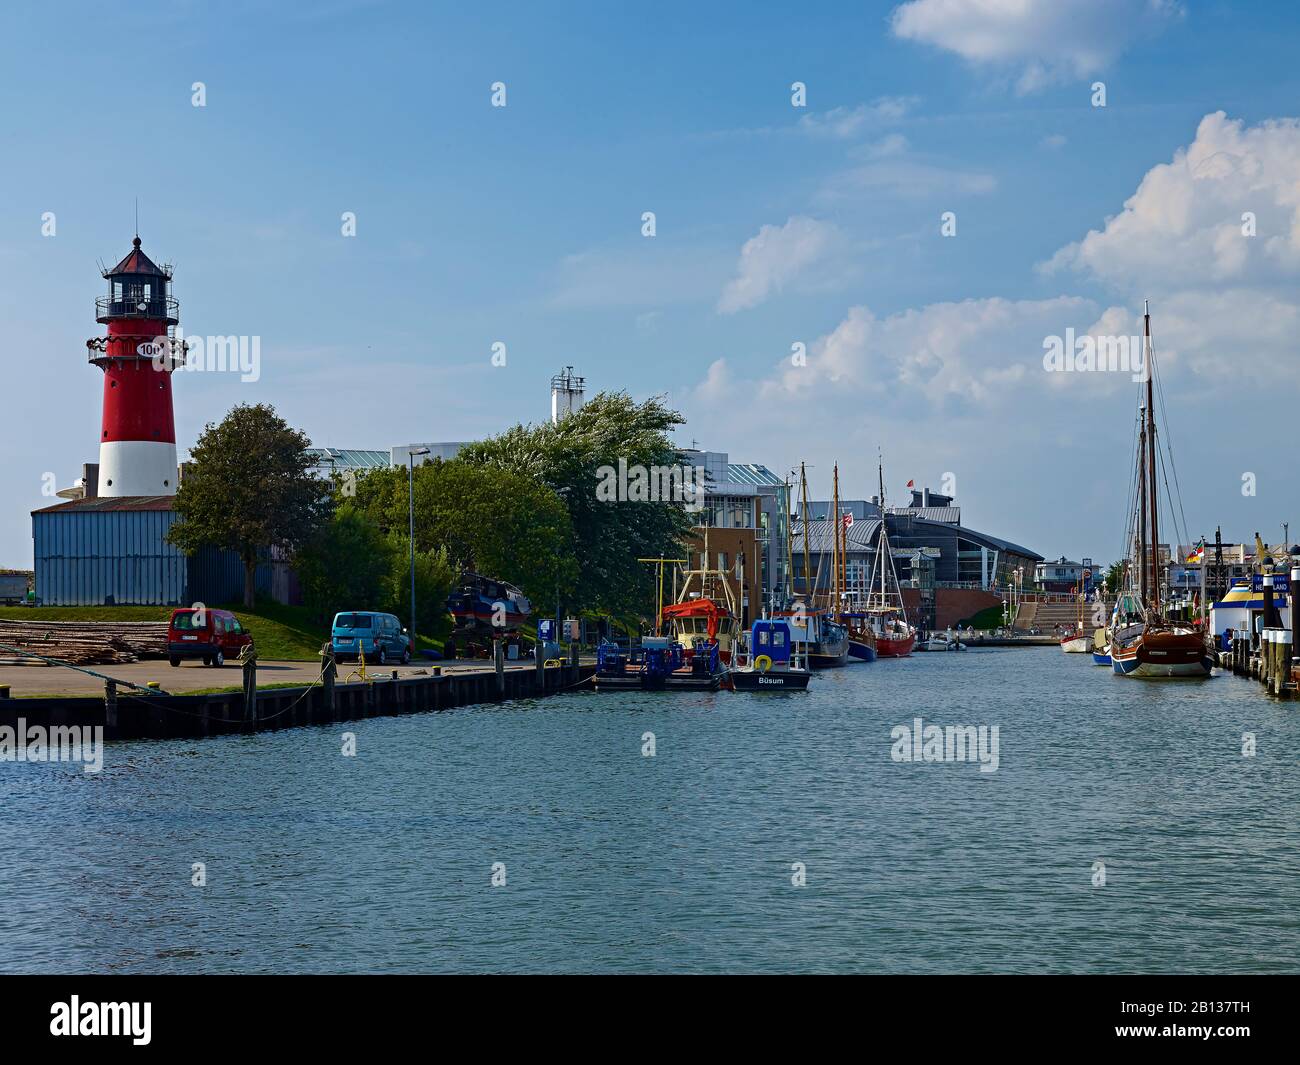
(1187, 223)
(775, 256)
(1040, 41)
(943, 354)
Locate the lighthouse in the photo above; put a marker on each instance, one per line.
(137, 440)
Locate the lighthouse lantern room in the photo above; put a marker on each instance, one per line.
(137, 444)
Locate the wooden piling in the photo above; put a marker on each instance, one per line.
(499, 664)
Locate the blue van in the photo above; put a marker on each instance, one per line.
(380, 636)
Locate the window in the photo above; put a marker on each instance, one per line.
(778, 639)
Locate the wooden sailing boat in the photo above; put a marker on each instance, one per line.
(1151, 644)
(885, 612)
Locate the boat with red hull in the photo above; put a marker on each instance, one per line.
(1152, 644)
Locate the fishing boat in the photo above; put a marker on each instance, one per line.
(774, 661)
(705, 609)
(884, 607)
(1149, 643)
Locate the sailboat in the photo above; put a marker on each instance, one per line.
(825, 640)
(884, 609)
(862, 638)
(1077, 640)
(1146, 642)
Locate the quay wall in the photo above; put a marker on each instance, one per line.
(135, 716)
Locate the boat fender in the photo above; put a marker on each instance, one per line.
(762, 663)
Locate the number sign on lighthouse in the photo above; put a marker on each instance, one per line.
(137, 440)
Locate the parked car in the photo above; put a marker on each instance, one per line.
(380, 636)
(207, 633)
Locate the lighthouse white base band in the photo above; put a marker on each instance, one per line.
(137, 468)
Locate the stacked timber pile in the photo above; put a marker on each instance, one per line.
(83, 643)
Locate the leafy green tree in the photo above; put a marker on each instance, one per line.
(1115, 578)
(248, 488)
(608, 537)
(435, 574)
(498, 522)
(346, 565)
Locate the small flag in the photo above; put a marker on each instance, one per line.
(911, 484)
(1197, 555)
(848, 520)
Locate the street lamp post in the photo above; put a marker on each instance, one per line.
(410, 496)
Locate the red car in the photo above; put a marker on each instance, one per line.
(204, 632)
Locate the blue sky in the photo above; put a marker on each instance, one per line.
(775, 225)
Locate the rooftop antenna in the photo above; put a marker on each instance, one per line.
(137, 216)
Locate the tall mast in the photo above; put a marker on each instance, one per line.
(835, 531)
(789, 546)
(1151, 459)
(884, 540)
(803, 516)
(1141, 544)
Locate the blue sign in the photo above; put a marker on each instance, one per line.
(546, 630)
(1281, 583)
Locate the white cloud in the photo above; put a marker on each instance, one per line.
(975, 351)
(892, 172)
(775, 256)
(1183, 225)
(1042, 41)
(842, 123)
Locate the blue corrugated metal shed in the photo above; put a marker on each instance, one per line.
(91, 556)
(114, 552)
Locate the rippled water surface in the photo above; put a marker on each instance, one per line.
(682, 862)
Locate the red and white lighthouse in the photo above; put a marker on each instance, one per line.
(137, 441)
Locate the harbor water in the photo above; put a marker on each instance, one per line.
(608, 858)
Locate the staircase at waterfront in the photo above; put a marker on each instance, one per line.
(1049, 615)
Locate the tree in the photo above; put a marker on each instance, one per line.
(346, 565)
(435, 575)
(500, 523)
(248, 488)
(609, 537)
(1115, 578)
